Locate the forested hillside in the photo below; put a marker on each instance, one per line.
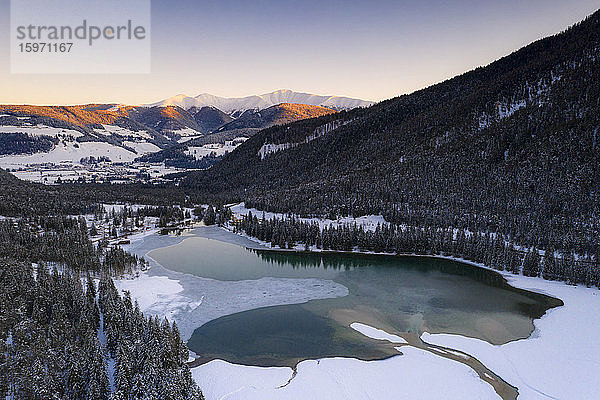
(21, 198)
(509, 148)
(61, 340)
(58, 340)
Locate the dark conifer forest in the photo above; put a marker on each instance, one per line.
(491, 250)
(21, 143)
(20, 198)
(65, 242)
(64, 336)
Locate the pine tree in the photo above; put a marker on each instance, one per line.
(98, 383)
(549, 270)
(210, 216)
(531, 264)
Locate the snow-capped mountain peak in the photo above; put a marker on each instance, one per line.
(233, 104)
(181, 100)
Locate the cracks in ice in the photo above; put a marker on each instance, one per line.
(235, 391)
(294, 373)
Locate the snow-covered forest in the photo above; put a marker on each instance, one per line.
(66, 332)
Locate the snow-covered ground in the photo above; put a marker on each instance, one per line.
(51, 176)
(187, 134)
(158, 170)
(37, 130)
(117, 130)
(142, 147)
(416, 374)
(368, 222)
(71, 152)
(218, 149)
(188, 138)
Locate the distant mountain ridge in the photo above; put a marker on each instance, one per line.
(28, 129)
(245, 126)
(163, 124)
(276, 115)
(259, 102)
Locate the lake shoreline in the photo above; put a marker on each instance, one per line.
(223, 234)
(265, 246)
(537, 285)
(540, 347)
(227, 236)
(192, 301)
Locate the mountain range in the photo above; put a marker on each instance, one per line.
(28, 128)
(246, 125)
(236, 105)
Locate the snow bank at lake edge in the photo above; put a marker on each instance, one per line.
(368, 222)
(415, 375)
(560, 360)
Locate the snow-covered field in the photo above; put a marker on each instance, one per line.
(51, 176)
(368, 222)
(71, 152)
(37, 130)
(187, 134)
(218, 149)
(117, 130)
(417, 374)
(142, 147)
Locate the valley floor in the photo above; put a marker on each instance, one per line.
(559, 361)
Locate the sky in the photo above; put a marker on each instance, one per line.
(372, 50)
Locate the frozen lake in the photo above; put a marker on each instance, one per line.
(401, 294)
